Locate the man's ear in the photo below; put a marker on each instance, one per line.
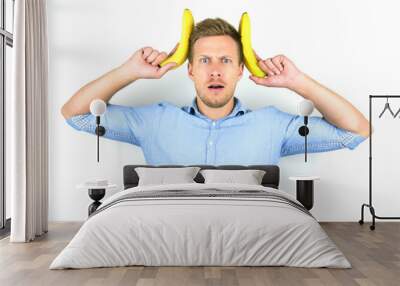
(241, 68)
(190, 71)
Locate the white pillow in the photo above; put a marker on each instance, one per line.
(162, 176)
(249, 177)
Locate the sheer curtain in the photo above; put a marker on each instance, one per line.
(28, 158)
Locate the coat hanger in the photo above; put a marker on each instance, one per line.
(387, 106)
(398, 111)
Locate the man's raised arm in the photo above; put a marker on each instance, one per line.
(334, 108)
(144, 63)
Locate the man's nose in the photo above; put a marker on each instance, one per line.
(215, 69)
(216, 73)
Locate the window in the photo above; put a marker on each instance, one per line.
(6, 44)
(9, 11)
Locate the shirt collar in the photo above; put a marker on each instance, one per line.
(238, 109)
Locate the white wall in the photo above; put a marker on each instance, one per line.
(350, 46)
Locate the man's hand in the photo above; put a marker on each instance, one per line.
(281, 72)
(144, 63)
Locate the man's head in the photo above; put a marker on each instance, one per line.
(215, 59)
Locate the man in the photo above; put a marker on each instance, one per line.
(217, 129)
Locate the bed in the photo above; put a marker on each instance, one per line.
(201, 224)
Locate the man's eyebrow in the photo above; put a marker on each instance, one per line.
(224, 56)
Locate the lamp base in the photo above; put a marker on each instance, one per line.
(96, 195)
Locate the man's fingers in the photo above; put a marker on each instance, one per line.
(258, 80)
(266, 81)
(152, 56)
(268, 65)
(162, 56)
(146, 51)
(277, 61)
(265, 68)
(161, 71)
(271, 66)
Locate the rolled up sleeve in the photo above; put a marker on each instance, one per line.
(122, 123)
(322, 137)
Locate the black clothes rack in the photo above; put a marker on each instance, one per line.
(370, 206)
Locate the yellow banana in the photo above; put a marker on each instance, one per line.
(181, 53)
(250, 59)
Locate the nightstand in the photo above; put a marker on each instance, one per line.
(305, 190)
(96, 193)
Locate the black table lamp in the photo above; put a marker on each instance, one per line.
(97, 108)
(305, 108)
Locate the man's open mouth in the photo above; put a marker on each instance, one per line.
(216, 87)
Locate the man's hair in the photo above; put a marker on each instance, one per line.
(214, 27)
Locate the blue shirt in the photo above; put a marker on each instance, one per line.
(168, 134)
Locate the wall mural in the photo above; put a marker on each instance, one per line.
(216, 129)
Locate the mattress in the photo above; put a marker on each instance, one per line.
(197, 224)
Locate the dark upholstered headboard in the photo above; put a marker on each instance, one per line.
(270, 179)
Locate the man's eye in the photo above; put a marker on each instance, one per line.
(203, 60)
(226, 60)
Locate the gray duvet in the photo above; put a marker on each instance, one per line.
(201, 224)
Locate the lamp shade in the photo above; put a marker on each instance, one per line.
(305, 107)
(98, 107)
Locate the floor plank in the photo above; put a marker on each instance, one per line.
(374, 255)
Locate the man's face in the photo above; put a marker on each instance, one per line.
(215, 63)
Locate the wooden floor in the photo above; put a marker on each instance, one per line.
(374, 255)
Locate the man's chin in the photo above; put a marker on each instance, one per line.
(215, 101)
(215, 105)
